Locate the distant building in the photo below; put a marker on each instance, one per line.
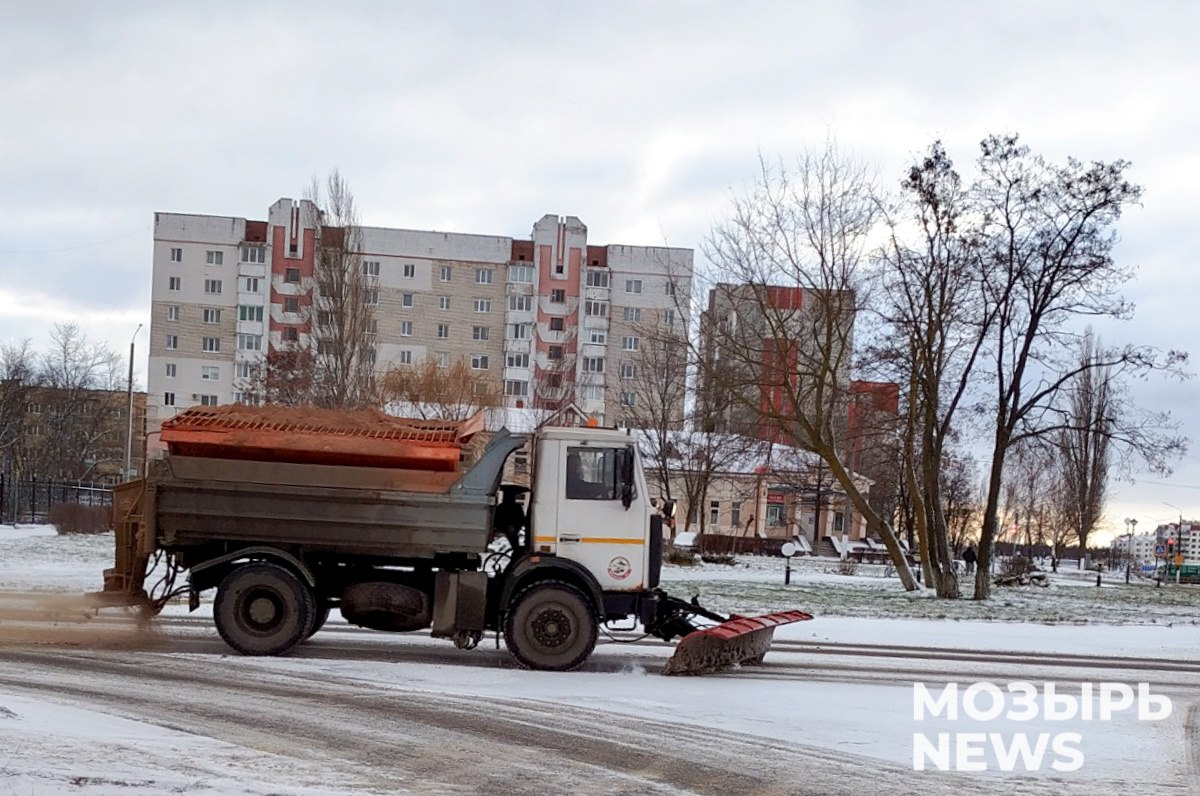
(227, 290)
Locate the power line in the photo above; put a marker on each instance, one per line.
(140, 231)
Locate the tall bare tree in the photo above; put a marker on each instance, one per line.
(779, 335)
(19, 379)
(1046, 260)
(1084, 445)
(342, 317)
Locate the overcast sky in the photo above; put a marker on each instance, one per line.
(637, 117)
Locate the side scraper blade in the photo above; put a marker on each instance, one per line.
(742, 641)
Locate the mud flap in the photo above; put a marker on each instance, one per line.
(742, 641)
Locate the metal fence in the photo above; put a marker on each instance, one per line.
(29, 499)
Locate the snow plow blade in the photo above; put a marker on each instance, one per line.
(742, 641)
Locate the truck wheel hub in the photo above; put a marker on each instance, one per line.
(262, 611)
(551, 628)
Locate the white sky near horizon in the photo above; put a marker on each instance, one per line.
(640, 118)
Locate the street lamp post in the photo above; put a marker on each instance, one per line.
(129, 407)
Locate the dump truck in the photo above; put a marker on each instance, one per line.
(290, 514)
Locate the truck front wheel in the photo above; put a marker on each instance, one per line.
(551, 627)
(263, 609)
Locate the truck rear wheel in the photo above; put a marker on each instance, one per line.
(320, 617)
(551, 627)
(263, 609)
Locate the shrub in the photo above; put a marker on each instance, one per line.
(1018, 565)
(847, 566)
(718, 558)
(680, 556)
(71, 518)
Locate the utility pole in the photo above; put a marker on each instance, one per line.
(129, 408)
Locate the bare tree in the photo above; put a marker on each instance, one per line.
(1046, 260)
(778, 338)
(1084, 446)
(18, 382)
(341, 317)
(429, 391)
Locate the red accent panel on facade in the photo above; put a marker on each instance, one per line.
(544, 255)
(280, 263)
(573, 261)
(256, 232)
(522, 250)
(597, 256)
(785, 298)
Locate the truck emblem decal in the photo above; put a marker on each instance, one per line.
(619, 568)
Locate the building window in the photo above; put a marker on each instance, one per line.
(172, 342)
(558, 296)
(629, 343)
(554, 352)
(628, 399)
(210, 372)
(442, 358)
(208, 400)
(247, 370)
(483, 305)
(212, 316)
(248, 312)
(596, 309)
(714, 512)
(597, 278)
(211, 344)
(517, 361)
(669, 317)
(553, 380)
(520, 303)
(174, 283)
(290, 304)
(593, 364)
(735, 515)
(370, 268)
(214, 257)
(556, 324)
(633, 286)
(446, 273)
(483, 276)
(479, 332)
(633, 314)
(406, 299)
(250, 284)
(628, 371)
(173, 312)
(410, 270)
(373, 326)
(443, 330)
(519, 331)
(171, 369)
(371, 298)
(443, 302)
(406, 357)
(479, 362)
(591, 392)
(212, 287)
(254, 254)
(518, 388)
(670, 288)
(176, 255)
(776, 515)
(290, 334)
(168, 399)
(597, 337)
(292, 276)
(406, 328)
(521, 274)
(250, 342)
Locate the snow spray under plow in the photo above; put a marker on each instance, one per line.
(741, 641)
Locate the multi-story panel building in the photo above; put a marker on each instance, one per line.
(545, 315)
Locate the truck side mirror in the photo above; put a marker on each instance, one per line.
(627, 491)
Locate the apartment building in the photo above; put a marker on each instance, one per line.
(554, 317)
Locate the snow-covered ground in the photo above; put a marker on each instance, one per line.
(818, 692)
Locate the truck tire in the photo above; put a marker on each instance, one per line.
(320, 617)
(263, 609)
(551, 627)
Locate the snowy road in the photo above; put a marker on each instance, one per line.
(360, 712)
